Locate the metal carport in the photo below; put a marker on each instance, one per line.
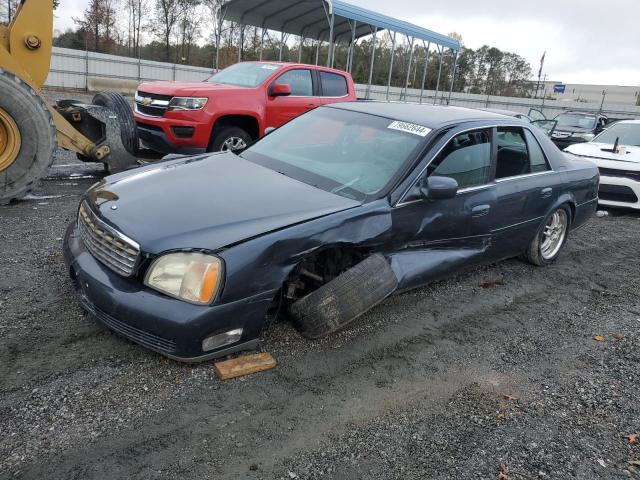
(336, 21)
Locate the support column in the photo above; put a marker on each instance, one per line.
(393, 53)
(426, 66)
(352, 47)
(262, 42)
(453, 76)
(318, 51)
(406, 84)
(240, 43)
(331, 49)
(300, 50)
(373, 58)
(435, 97)
(281, 45)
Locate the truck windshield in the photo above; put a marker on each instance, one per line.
(352, 154)
(245, 74)
(574, 120)
(628, 134)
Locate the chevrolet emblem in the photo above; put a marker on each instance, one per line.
(146, 101)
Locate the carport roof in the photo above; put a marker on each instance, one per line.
(310, 19)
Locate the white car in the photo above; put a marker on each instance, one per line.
(620, 169)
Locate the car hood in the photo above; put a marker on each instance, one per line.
(185, 89)
(596, 150)
(206, 202)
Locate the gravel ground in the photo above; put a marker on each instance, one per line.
(496, 373)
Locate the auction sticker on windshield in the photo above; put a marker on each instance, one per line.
(410, 128)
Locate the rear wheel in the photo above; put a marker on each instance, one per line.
(230, 139)
(548, 242)
(27, 138)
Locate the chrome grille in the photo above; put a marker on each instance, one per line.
(151, 104)
(107, 245)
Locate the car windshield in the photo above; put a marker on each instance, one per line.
(245, 74)
(575, 120)
(627, 133)
(352, 154)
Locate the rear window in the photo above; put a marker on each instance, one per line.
(333, 85)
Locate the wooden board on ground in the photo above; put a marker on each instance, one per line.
(245, 365)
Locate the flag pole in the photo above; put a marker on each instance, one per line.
(540, 74)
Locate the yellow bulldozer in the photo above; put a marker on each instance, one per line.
(30, 128)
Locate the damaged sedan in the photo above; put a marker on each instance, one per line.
(320, 220)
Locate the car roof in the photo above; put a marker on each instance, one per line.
(634, 121)
(508, 113)
(590, 114)
(431, 116)
(293, 64)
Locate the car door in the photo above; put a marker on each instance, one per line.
(433, 238)
(303, 97)
(526, 187)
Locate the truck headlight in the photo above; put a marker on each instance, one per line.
(585, 136)
(187, 103)
(192, 277)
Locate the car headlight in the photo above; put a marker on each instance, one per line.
(585, 136)
(192, 277)
(187, 103)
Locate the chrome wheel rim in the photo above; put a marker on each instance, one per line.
(232, 144)
(553, 234)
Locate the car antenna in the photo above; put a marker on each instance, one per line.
(615, 145)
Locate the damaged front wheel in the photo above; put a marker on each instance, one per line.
(343, 299)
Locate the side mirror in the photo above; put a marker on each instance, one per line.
(438, 188)
(280, 90)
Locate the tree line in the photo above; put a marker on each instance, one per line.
(185, 31)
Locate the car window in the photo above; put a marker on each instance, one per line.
(537, 157)
(300, 82)
(333, 85)
(513, 156)
(626, 133)
(466, 159)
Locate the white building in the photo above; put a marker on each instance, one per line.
(615, 94)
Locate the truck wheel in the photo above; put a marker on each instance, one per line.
(229, 139)
(27, 138)
(548, 242)
(128, 129)
(343, 299)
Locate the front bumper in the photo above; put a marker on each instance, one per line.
(163, 135)
(166, 325)
(619, 192)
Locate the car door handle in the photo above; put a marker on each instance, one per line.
(480, 210)
(546, 192)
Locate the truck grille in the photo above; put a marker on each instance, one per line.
(614, 172)
(107, 245)
(152, 104)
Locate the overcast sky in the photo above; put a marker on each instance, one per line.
(587, 41)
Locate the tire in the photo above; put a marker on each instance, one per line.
(220, 137)
(534, 253)
(27, 112)
(343, 299)
(128, 129)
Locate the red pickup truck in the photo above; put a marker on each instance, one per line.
(235, 106)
